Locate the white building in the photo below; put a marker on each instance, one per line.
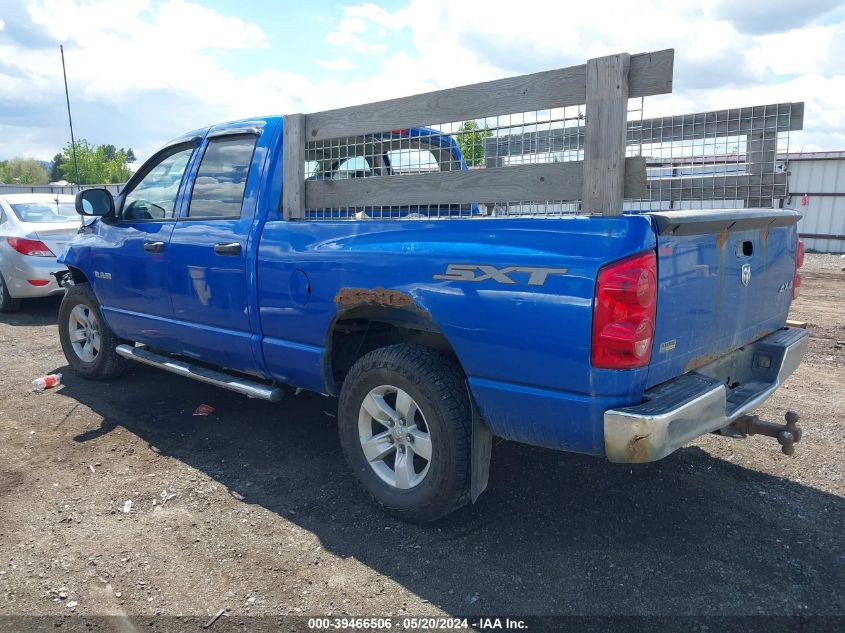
(817, 190)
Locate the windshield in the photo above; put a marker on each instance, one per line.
(46, 212)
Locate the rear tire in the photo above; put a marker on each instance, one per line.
(7, 302)
(405, 428)
(87, 342)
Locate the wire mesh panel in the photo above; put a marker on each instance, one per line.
(726, 158)
(722, 159)
(529, 138)
(569, 141)
(518, 145)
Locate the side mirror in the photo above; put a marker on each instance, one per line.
(95, 202)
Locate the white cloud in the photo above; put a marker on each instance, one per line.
(115, 48)
(341, 63)
(136, 63)
(155, 66)
(353, 32)
(719, 60)
(769, 16)
(348, 37)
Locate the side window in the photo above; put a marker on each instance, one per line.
(221, 179)
(154, 196)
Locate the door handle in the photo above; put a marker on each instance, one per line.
(154, 247)
(227, 248)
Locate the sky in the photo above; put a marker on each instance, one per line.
(141, 72)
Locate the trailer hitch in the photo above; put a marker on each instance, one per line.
(63, 278)
(787, 435)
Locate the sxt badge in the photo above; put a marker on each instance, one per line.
(482, 272)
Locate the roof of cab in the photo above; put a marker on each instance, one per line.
(245, 126)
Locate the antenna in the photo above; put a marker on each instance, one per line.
(70, 119)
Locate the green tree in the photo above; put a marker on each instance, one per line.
(24, 171)
(118, 168)
(97, 164)
(112, 152)
(470, 139)
(109, 151)
(56, 168)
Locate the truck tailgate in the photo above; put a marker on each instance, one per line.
(724, 280)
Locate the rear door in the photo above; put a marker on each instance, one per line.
(209, 278)
(724, 280)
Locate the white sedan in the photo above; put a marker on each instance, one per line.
(34, 229)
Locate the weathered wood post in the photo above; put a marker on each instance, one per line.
(293, 159)
(606, 128)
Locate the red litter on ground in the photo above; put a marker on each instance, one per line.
(204, 409)
(46, 382)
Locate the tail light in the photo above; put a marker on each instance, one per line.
(799, 261)
(623, 314)
(30, 247)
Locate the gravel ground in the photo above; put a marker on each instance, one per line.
(823, 262)
(251, 508)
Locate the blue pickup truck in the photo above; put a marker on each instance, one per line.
(623, 337)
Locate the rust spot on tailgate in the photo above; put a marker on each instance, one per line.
(764, 233)
(351, 297)
(722, 238)
(700, 361)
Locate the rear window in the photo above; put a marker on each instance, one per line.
(357, 167)
(45, 212)
(221, 179)
(373, 155)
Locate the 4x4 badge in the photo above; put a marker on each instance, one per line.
(746, 274)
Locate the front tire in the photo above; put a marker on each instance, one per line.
(89, 345)
(7, 302)
(405, 428)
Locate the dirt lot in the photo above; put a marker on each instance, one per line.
(252, 508)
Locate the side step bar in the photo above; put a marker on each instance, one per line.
(238, 384)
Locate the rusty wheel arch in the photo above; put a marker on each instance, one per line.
(367, 319)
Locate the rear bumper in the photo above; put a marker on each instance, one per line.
(700, 402)
(21, 270)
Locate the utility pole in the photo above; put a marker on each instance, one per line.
(70, 119)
